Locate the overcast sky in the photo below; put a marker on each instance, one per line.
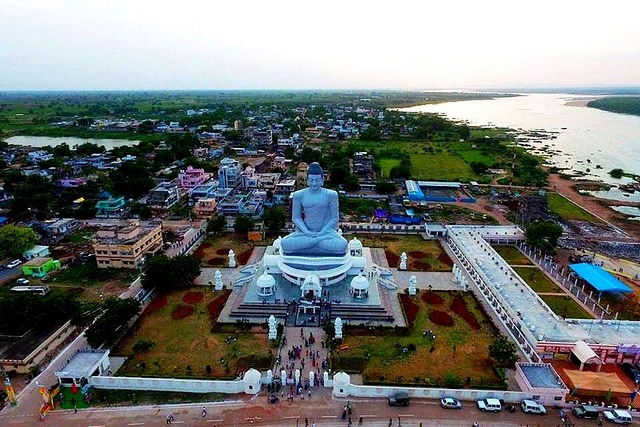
(346, 44)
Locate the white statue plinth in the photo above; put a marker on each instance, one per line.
(273, 329)
(338, 326)
(413, 281)
(217, 284)
(403, 261)
(232, 259)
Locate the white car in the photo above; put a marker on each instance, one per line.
(450, 403)
(14, 263)
(533, 407)
(617, 416)
(489, 405)
(22, 281)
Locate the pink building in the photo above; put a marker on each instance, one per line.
(191, 178)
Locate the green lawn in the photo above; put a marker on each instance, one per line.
(386, 165)
(184, 347)
(565, 306)
(459, 350)
(512, 255)
(535, 278)
(429, 252)
(568, 210)
(440, 167)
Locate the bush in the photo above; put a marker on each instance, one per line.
(143, 345)
(452, 381)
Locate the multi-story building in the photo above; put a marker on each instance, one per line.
(283, 191)
(204, 191)
(229, 173)
(162, 197)
(205, 208)
(60, 226)
(301, 176)
(237, 125)
(192, 177)
(229, 206)
(126, 244)
(362, 163)
(113, 207)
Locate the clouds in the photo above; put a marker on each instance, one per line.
(117, 44)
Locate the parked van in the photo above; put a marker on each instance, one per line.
(617, 416)
(491, 405)
(399, 399)
(532, 407)
(586, 411)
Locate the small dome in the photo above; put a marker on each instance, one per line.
(266, 280)
(278, 243)
(341, 378)
(252, 376)
(355, 244)
(359, 282)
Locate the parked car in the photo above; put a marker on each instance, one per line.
(450, 403)
(14, 263)
(533, 407)
(586, 411)
(632, 372)
(490, 405)
(22, 281)
(399, 399)
(617, 416)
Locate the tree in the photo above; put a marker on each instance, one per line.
(217, 224)
(384, 187)
(116, 315)
(162, 272)
(544, 235)
(503, 351)
(15, 240)
(274, 218)
(371, 133)
(352, 183)
(243, 224)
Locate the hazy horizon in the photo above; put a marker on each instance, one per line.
(117, 45)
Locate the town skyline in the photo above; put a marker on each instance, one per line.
(283, 45)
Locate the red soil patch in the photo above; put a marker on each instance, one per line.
(182, 312)
(155, 305)
(441, 318)
(222, 251)
(431, 298)
(217, 262)
(445, 259)
(206, 245)
(392, 259)
(215, 307)
(192, 297)
(420, 266)
(243, 257)
(459, 307)
(410, 309)
(417, 254)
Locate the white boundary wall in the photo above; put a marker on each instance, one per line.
(168, 384)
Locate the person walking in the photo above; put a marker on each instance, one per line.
(169, 417)
(204, 412)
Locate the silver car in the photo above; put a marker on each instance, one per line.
(450, 403)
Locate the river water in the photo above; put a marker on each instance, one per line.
(584, 137)
(43, 141)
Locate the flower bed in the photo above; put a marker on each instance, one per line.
(215, 307)
(182, 312)
(222, 251)
(441, 318)
(420, 265)
(459, 307)
(445, 259)
(392, 259)
(243, 257)
(193, 297)
(156, 304)
(417, 254)
(410, 309)
(217, 262)
(431, 298)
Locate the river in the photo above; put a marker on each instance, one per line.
(43, 141)
(584, 138)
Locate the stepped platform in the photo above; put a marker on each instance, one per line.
(358, 313)
(258, 310)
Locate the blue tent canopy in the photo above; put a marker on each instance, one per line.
(599, 278)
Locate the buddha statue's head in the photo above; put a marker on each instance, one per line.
(315, 176)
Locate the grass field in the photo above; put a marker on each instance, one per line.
(440, 167)
(431, 249)
(536, 279)
(184, 347)
(213, 252)
(459, 350)
(565, 306)
(512, 255)
(386, 165)
(568, 210)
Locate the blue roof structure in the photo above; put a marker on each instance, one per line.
(599, 278)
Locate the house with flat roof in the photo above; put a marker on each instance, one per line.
(37, 251)
(84, 363)
(192, 177)
(126, 244)
(163, 197)
(39, 267)
(205, 208)
(60, 226)
(113, 207)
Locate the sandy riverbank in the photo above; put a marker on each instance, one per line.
(579, 102)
